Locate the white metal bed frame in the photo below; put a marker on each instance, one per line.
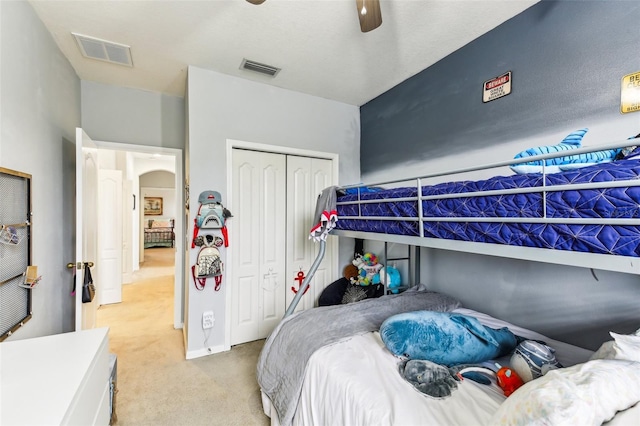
(617, 263)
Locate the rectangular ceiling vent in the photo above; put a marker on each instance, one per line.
(258, 67)
(104, 50)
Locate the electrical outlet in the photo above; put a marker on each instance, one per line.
(207, 319)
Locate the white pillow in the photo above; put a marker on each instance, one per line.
(584, 394)
(622, 346)
(161, 224)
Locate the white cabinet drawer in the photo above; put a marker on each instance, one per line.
(55, 380)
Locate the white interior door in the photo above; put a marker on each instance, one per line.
(306, 178)
(127, 231)
(109, 280)
(86, 223)
(258, 258)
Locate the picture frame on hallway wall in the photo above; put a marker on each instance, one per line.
(152, 206)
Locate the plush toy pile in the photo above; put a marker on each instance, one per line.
(368, 269)
(364, 278)
(439, 347)
(365, 270)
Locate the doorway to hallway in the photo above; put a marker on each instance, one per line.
(141, 325)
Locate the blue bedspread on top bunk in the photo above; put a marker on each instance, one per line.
(588, 203)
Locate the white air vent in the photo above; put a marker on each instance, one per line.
(258, 67)
(104, 50)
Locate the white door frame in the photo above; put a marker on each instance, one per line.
(254, 146)
(179, 287)
(86, 242)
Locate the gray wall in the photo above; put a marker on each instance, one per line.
(39, 110)
(222, 107)
(567, 60)
(132, 116)
(572, 304)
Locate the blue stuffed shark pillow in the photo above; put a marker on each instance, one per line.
(567, 162)
(445, 338)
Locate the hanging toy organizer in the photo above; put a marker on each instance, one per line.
(211, 218)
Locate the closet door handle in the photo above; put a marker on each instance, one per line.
(269, 280)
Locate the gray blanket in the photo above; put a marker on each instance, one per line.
(283, 360)
(326, 214)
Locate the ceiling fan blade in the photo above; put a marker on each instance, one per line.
(369, 14)
(256, 1)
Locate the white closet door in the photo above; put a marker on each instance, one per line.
(258, 258)
(306, 178)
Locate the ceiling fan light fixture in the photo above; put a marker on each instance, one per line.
(369, 14)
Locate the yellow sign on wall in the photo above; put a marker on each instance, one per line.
(630, 93)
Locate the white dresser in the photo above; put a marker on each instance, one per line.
(61, 379)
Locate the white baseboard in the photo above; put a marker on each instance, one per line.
(206, 351)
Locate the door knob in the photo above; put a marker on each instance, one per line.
(79, 265)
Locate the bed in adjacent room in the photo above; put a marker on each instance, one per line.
(159, 233)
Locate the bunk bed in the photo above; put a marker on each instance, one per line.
(159, 233)
(587, 216)
(312, 371)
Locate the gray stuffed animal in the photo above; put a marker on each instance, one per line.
(438, 381)
(429, 378)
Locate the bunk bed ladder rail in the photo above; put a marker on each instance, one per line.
(420, 214)
(308, 278)
(544, 190)
(408, 259)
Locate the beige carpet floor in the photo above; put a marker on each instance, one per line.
(156, 385)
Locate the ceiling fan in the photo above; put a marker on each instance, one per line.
(368, 13)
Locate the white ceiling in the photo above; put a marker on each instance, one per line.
(317, 43)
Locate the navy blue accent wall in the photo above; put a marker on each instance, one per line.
(567, 59)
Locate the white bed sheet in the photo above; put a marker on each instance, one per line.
(356, 382)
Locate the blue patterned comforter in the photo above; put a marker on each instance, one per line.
(590, 203)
